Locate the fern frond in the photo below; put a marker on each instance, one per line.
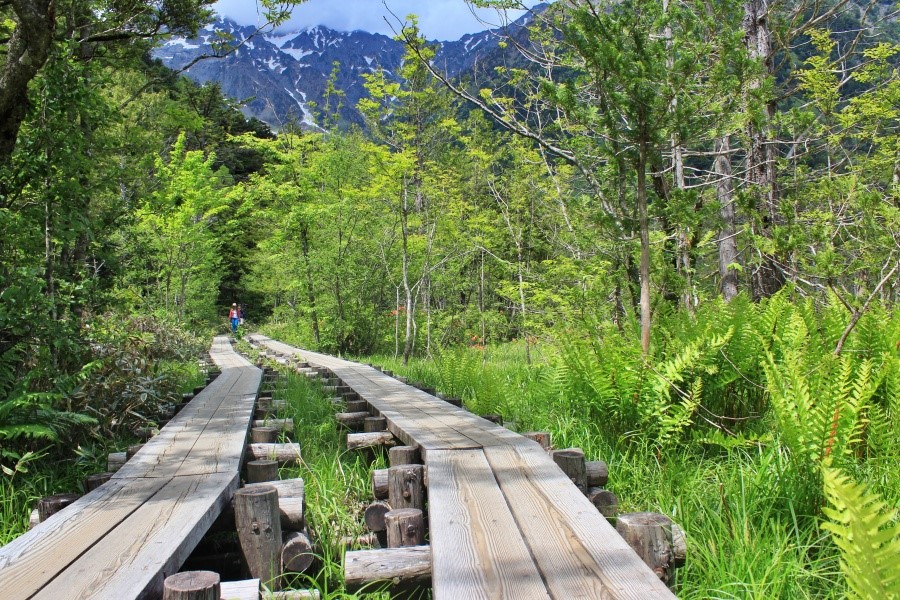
(867, 536)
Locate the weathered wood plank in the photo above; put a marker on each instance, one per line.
(133, 560)
(31, 560)
(477, 549)
(578, 552)
(240, 590)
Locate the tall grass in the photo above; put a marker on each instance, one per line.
(337, 484)
(724, 427)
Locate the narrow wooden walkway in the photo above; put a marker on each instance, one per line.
(123, 539)
(504, 521)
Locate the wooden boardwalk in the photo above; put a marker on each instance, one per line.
(121, 540)
(504, 521)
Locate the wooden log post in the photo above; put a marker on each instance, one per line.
(541, 437)
(288, 453)
(597, 473)
(380, 487)
(605, 501)
(650, 535)
(351, 420)
(192, 585)
(679, 546)
(296, 552)
(50, 505)
(495, 418)
(357, 441)
(115, 461)
(264, 435)
(572, 463)
(405, 568)
(374, 424)
(261, 414)
(405, 527)
(291, 502)
(259, 532)
(279, 424)
(354, 406)
(374, 515)
(406, 488)
(259, 471)
(404, 455)
(95, 480)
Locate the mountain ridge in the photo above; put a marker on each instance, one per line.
(282, 77)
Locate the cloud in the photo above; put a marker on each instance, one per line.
(438, 19)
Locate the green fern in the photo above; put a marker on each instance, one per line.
(820, 409)
(867, 536)
(675, 392)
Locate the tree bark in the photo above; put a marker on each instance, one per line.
(761, 171)
(644, 224)
(728, 250)
(310, 289)
(26, 52)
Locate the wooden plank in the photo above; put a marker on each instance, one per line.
(31, 560)
(207, 436)
(134, 559)
(477, 549)
(579, 553)
(240, 590)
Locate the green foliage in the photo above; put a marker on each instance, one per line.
(867, 534)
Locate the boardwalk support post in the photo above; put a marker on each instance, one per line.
(571, 461)
(264, 435)
(405, 527)
(380, 487)
(50, 505)
(259, 471)
(297, 552)
(259, 531)
(651, 536)
(406, 487)
(357, 441)
(407, 568)
(597, 473)
(541, 437)
(374, 515)
(192, 585)
(405, 455)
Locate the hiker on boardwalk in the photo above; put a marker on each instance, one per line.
(235, 315)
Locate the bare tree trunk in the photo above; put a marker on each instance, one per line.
(683, 259)
(761, 171)
(310, 289)
(407, 289)
(481, 299)
(26, 52)
(644, 224)
(728, 250)
(397, 324)
(522, 305)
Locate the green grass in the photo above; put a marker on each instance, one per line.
(337, 484)
(746, 537)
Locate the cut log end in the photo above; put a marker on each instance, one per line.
(192, 585)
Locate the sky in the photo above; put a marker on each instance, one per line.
(438, 19)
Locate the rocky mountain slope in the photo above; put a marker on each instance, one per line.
(283, 77)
